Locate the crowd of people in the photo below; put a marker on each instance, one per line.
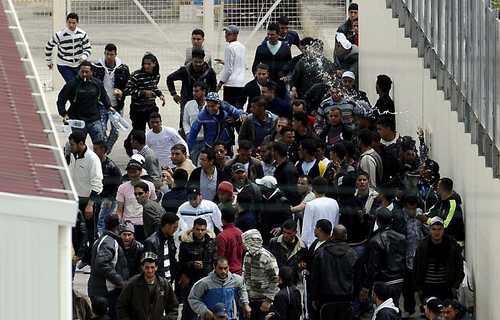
(290, 196)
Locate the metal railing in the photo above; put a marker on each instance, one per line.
(458, 41)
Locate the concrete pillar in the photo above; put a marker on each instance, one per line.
(60, 8)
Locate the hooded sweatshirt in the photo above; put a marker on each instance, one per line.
(386, 311)
(260, 269)
(140, 81)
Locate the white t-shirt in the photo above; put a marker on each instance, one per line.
(162, 142)
(317, 209)
(233, 74)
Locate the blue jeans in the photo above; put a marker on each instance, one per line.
(113, 132)
(107, 206)
(68, 73)
(95, 130)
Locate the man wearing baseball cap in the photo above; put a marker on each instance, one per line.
(197, 207)
(438, 263)
(345, 54)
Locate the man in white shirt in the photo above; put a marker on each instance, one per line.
(197, 207)
(191, 111)
(369, 160)
(320, 208)
(161, 139)
(233, 75)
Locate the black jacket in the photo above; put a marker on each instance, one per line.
(275, 211)
(386, 257)
(112, 178)
(286, 174)
(194, 179)
(152, 212)
(313, 172)
(138, 302)
(276, 63)
(450, 210)
(255, 170)
(387, 314)
(310, 71)
(332, 272)
(252, 90)
(189, 77)
(255, 131)
(85, 99)
(121, 76)
(79, 236)
(451, 255)
(191, 250)
(155, 243)
(287, 304)
(108, 264)
(286, 256)
(134, 255)
(173, 199)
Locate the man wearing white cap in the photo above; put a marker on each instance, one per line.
(345, 54)
(233, 74)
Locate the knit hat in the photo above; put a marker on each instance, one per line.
(238, 167)
(127, 226)
(225, 187)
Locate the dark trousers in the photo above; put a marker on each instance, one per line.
(141, 117)
(112, 299)
(255, 305)
(441, 291)
(395, 292)
(139, 233)
(409, 292)
(68, 73)
(90, 225)
(234, 96)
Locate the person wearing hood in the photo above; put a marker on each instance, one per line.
(386, 309)
(143, 89)
(197, 253)
(114, 74)
(332, 272)
(220, 286)
(427, 183)
(276, 209)
(108, 266)
(197, 70)
(260, 271)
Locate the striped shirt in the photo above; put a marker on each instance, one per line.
(72, 46)
(139, 82)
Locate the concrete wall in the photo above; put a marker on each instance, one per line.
(385, 50)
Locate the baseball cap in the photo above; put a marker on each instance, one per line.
(349, 74)
(231, 29)
(434, 304)
(219, 310)
(267, 181)
(127, 226)
(149, 256)
(212, 96)
(193, 191)
(341, 38)
(238, 167)
(436, 220)
(132, 164)
(139, 158)
(225, 187)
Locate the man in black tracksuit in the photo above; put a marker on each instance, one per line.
(143, 88)
(195, 71)
(273, 53)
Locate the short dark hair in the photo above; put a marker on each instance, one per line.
(200, 84)
(298, 102)
(309, 146)
(324, 225)
(270, 86)
(155, 115)
(320, 185)
(199, 222)
(143, 185)
(365, 137)
(300, 117)
(101, 144)
(180, 177)
(304, 176)
(139, 136)
(446, 184)
(287, 275)
(220, 143)
(273, 27)
(262, 66)
(387, 121)
(221, 259)
(289, 224)
(198, 53)
(168, 218)
(210, 153)
(180, 147)
(72, 15)
(228, 214)
(384, 83)
(85, 63)
(110, 47)
(350, 148)
(353, 6)
(283, 20)
(280, 148)
(198, 32)
(384, 217)
(112, 221)
(259, 101)
(245, 145)
(340, 150)
(78, 136)
(381, 290)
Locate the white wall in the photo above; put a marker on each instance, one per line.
(385, 50)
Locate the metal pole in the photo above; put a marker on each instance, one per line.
(261, 22)
(60, 8)
(208, 23)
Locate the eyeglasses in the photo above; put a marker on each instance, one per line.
(138, 193)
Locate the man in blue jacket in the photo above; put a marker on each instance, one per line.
(216, 120)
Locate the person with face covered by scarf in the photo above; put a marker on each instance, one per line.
(143, 88)
(427, 184)
(260, 273)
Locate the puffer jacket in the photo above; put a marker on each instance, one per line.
(215, 127)
(155, 243)
(332, 274)
(191, 250)
(260, 269)
(138, 302)
(386, 257)
(108, 264)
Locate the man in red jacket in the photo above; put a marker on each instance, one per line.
(229, 243)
